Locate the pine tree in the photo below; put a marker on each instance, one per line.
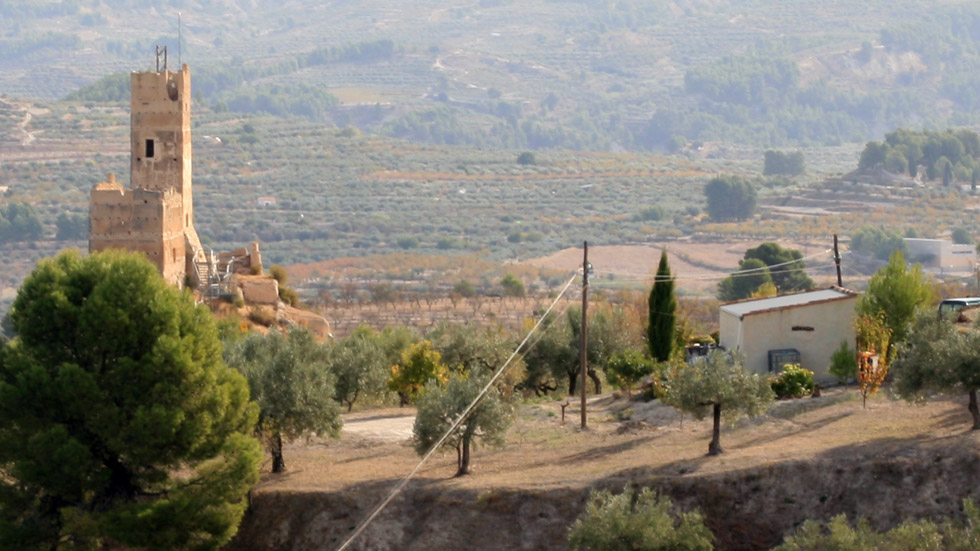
(663, 307)
(120, 425)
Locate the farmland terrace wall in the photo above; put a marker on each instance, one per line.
(747, 510)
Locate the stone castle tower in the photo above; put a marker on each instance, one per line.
(156, 214)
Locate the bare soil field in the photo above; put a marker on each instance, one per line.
(807, 458)
(698, 266)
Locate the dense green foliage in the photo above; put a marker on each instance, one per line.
(631, 521)
(718, 384)
(419, 364)
(19, 222)
(879, 242)
(785, 266)
(662, 313)
(628, 367)
(751, 275)
(921, 535)
(961, 236)
(780, 163)
(512, 286)
(793, 382)
(762, 265)
(939, 358)
(71, 226)
(360, 366)
(555, 358)
(905, 151)
(118, 419)
(843, 363)
(290, 378)
(471, 348)
(896, 292)
(440, 406)
(730, 197)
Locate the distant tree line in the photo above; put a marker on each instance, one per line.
(878, 242)
(19, 222)
(25, 45)
(948, 42)
(779, 163)
(944, 154)
(759, 97)
(226, 86)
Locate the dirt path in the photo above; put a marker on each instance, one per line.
(27, 137)
(384, 425)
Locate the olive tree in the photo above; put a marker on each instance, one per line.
(718, 384)
(291, 381)
(440, 406)
(120, 425)
(360, 366)
(937, 357)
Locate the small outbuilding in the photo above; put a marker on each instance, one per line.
(804, 328)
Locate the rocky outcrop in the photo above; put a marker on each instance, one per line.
(317, 324)
(258, 289)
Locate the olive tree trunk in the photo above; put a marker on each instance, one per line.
(463, 459)
(595, 380)
(974, 410)
(278, 465)
(714, 448)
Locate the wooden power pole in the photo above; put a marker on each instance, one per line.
(585, 329)
(840, 282)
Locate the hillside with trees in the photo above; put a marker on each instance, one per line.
(528, 75)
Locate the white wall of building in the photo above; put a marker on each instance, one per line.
(758, 333)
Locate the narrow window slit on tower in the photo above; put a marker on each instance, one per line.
(149, 149)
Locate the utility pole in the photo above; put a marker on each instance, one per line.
(585, 329)
(840, 282)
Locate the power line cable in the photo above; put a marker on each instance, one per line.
(737, 273)
(459, 420)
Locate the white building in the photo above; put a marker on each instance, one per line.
(940, 254)
(804, 328)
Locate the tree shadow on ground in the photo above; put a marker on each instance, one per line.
(600, 452)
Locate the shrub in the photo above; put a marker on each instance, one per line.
(513, 287)
(793, 382)
(262, 316)
(843, 363)
(628, 367)
(289, 296)
(637, 521)
(278, 273)
(464, 288)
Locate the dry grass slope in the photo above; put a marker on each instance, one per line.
(810, 458)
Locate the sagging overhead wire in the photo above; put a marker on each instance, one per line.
(459, 420)
(738, 273)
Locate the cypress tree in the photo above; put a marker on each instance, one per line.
(660, 332)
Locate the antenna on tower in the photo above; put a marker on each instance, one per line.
(161, 55)
(179, 40)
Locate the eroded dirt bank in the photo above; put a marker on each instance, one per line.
(747, 509)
